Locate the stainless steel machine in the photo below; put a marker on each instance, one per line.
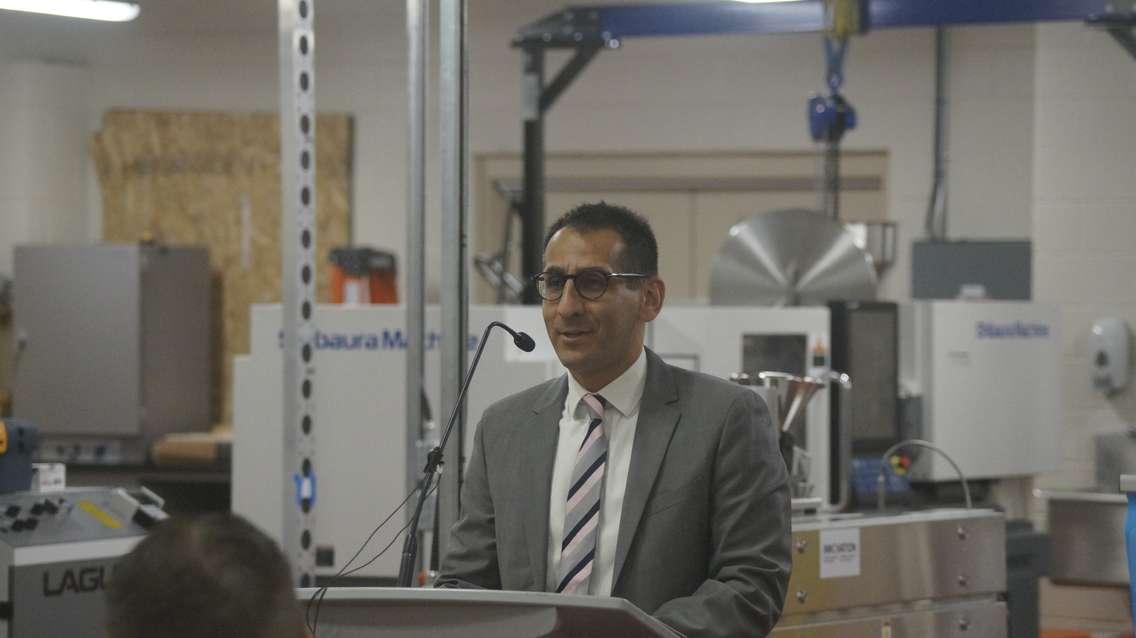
(790, 257)
(113, 347)
(1087, 525)
(931, 574)
(959, 363)
(787, 397)
(57, 551)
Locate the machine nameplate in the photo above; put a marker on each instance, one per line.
(839, 552)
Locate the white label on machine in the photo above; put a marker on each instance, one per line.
(48, 477)
(839, 553)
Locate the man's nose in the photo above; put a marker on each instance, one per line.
(570, 302)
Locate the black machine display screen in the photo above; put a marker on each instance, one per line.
(774, 353)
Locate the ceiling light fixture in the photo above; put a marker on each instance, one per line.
(765, 1)
(106, 10)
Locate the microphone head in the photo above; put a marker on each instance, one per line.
(524, 341)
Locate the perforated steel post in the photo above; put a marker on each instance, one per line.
(453, 121)
(297, 237)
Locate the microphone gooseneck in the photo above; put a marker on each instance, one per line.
(434, 458)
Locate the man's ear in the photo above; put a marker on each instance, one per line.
(654, 292)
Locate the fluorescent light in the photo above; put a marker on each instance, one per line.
(107, 10)
(765, 1)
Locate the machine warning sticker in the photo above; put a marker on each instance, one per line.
(102, 515)
(839, 553)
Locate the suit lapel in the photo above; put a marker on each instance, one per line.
(658, 416)
(538, 457)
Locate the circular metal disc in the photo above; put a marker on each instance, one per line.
(788, 258)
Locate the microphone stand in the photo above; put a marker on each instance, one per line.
(434, 460)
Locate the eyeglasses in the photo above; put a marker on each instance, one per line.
(591, 283)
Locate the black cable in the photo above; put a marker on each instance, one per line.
(376, 530)
(321, 593)
(308, 608)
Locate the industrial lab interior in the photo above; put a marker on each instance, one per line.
(462, 318)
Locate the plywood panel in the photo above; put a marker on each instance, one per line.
(213, 179)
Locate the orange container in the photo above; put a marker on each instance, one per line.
(362, 275)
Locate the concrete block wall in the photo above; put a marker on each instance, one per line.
(43, 157)
(1084, 219)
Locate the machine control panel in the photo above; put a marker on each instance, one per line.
(84, 514)
(57, 552)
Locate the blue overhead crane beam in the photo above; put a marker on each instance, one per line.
(611, 23)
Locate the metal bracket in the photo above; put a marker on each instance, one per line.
(567, 74)
(1120, 25)
(569, 28)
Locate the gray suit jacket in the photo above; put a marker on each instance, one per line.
(703, 543)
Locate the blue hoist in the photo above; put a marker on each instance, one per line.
(831, 116)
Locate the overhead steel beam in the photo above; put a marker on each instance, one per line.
(585, 22)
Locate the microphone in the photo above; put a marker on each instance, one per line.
(520, 339)
(434, 459)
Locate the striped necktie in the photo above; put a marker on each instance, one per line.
(582, 513)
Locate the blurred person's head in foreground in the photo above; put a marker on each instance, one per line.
(209, 575)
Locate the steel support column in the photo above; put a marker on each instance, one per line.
(453, 118)
(297, 240)
(532, 228)
(417, 28)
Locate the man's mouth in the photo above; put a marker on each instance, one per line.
(571, 334)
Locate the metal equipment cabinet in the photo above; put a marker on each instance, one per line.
(113, 347)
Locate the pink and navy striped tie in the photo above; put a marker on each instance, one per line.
(582, 513)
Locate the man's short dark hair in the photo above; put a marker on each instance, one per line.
(641, 251)
(211, 575)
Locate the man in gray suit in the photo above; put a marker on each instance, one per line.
(627, 477)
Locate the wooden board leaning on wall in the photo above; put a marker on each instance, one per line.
(213, 179)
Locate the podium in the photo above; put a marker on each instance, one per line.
(358, 612)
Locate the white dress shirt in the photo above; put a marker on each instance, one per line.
(620, 418)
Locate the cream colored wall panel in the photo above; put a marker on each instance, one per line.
(723, 163)
(863, 206)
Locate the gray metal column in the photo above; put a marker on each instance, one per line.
(417, 27)
(455, 196)
(936, 221)
(297, 240)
